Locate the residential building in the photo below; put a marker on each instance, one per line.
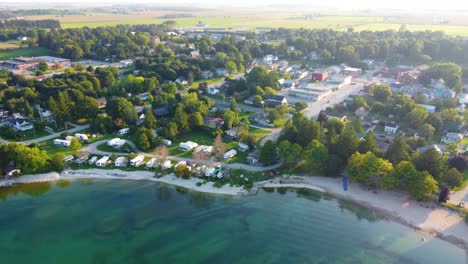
(361, 112)
(207, 74)
(391, 128)
(275, 100)
(221, 72)
(21, 124)
(355, 72)
(215, 122)
(411, 77)
(429, 108)
(144, 96)
(450, 138)
(161, 111)
(270, 59)
(233, 133)
(320, 76)
(421, 150)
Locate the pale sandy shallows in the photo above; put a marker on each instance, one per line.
(428, 217)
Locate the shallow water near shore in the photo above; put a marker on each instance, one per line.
(124, 221)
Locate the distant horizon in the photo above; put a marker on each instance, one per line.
(404, 5)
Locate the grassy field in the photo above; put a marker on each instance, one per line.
(250, 19)
(27, 52)
(9, 45)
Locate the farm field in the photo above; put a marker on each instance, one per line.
(269, 18)
(28, 52)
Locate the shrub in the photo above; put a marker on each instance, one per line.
(453, 177)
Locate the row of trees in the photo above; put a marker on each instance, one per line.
(330, 144)
(29, 159)
(394, 47)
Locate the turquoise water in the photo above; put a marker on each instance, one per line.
(101, 221)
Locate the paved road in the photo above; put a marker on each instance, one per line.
(92, 148)
(51, 136)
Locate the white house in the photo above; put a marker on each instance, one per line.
(121, 162)
(21, 125)
(137, 161)
(270, 59)
(102, 162)
(187, 146)
(231, 153)
(62, 142)
(391, 128)
(452, 138)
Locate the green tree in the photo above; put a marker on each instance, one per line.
(398, 150)
(289, 153)
(431, 161)
(182, 171)
(75, 144)
(381, 92)
(43, 66)
(196, 120)
(231, 67)
(181, 119)
(369, 143)
(268, 153)
(348, 142)
(424, 187)
(402, 176)
(150, 121)
(57, 162)
(426, 131)
(316, 157)
(369, 169)
(141, 139)
(172, 131)
(454, 178)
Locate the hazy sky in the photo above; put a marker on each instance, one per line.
(372, 4)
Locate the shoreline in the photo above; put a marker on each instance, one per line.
(427, 217)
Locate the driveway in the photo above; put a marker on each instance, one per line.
(51, 136)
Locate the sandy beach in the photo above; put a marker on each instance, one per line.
(428, 217)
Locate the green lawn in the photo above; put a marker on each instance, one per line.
(259, 133)
(464, 141)
(51, 148)
(209, 82)
(27, 135)
(27, 52)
